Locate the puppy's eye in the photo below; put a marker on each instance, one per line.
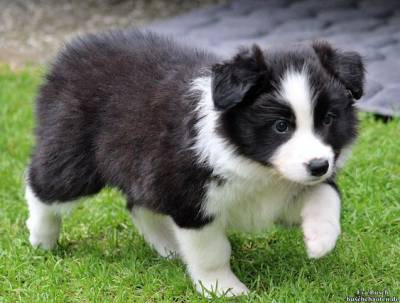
(281, 126)
(328, 119)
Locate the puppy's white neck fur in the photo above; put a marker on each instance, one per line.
(212, 148)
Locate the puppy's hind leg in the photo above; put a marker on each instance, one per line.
(157, 230)
(44, 220)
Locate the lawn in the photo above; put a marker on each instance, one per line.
(101, 258)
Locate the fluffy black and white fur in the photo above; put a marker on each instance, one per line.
(198, 145)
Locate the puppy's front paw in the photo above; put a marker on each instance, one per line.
(43, 236)
(320, 237)
(220, 283)
(46, 242)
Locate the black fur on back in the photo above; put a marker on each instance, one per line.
(115, 111)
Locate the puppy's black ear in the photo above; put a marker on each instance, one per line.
(348, 67)
(233, 79)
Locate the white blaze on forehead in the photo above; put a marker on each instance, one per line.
(295, 89)
(291, 158)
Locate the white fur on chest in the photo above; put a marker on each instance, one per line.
(252, 196)
(249, 205)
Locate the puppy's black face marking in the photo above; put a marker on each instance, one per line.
(291, 97)
(335, 119)
(260, 128)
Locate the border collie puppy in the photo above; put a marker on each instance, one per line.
(198, 145)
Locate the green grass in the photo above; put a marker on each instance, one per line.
(101, 258)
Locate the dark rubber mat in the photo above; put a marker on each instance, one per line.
(369, 27)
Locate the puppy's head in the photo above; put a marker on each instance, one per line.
(292, 110)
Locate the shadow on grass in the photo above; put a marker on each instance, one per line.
(272, 260)
(278, 259)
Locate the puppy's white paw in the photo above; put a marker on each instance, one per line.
(220, 289)
(44, 238)
(220, 284)
(45, 242)
(165, 250)
(320, 238)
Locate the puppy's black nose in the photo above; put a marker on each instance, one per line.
(318, 167)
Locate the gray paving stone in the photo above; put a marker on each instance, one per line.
(386, 102)
(386, 71)
(379, 42)
(393, 30)
(379, 8)
(370, 27)
(316, 25)
(318, 5)
(339, 15)
(279, 15)
(391, 51)
(372, 89)
(357, 25)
